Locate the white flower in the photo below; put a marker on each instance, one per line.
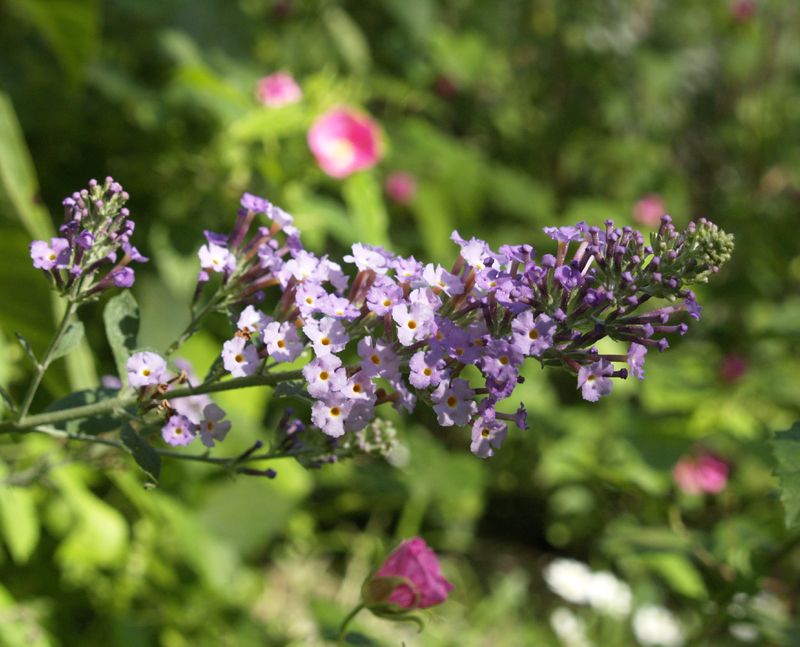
(569, 578)
(655, 625)
(609, 595)
(570, 629)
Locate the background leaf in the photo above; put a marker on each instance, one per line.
(121, 318)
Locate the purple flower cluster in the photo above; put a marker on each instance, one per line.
(96, 233)
(185, 418)
(416, 327)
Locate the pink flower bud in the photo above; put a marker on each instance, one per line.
(649, 209)
(345, 141)
(277, 90)
(400, 187)
(409, 579)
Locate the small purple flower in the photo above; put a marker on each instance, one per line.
(331, 413)
(569, 277)
(213, 427)
(453, 402)
(532, 337)
(282, 340)
(239, 357)
(413, 323)
(383, 295)
(252, 320)
(327, 335)
(564, 234)
(500, 360)
(359, 387)
(636, 353)
(179, 430)
(146, 368)
(406, 269)
(367, 257)
(486, 433)
(324, 375)
(692, 308)
(426, 369)
(594, 380)
(54, 255)
(254, 203)
(217, 258)
(123, 278)
(378, 358)
(440, 278)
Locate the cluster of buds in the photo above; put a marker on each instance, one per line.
(416, 327)
(96, 227)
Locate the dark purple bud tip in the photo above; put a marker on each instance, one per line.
(663, 344)
(270, 473)
(683, 328)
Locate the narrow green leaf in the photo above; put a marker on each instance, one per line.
(18, 184)
(7, 400)
(143, 453)
(786, 447)
(215, 367)
(121, 318)
(19, 522)
(70, 340)
(349, 39)
(362, 193)
(262, 124)
(679, 572)
(94, 425)
(27, 346)
(291, 390)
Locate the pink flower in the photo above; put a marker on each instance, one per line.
(400, 187)
(409, 579)
(649, 210)
(345, 141)
(277, 90)
(743, 10)
(732, 368)
(706, 473)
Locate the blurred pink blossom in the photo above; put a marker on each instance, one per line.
(732, 368)
(400, 187)
(705, 473)
(743, 10)
(649, 209)
(345, 141)
(277, 90)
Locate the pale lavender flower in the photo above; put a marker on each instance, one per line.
(217, 258)
(283, 342)
(413, 323)
(532, 337)
(179, 430)
(453, 402)
(145, 369)
(213, 427)
(327, 335)
(324, 375)
(331, 413)
(594, 380)
(239, 357)
(636, 353)
(486, 433)
(54, 255)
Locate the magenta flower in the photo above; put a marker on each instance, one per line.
(345, 141)
(400, 187)
(649, 209)
(706, 473)
(277, 90)
(410, 578)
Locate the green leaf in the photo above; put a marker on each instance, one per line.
(362, 193)
(262, 124)
(18, 185)
(143, 453)
(349, 39)
(27, 346)
(70, 340)
(94, 425)
(7, 400)
(786, 446)
(19, 522)
(291, 390)
(679, 572)
(70, 27)
(121, 318)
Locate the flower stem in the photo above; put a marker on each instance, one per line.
(114, 404)
(345, 622)
(46, 359)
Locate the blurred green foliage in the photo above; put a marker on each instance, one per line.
(512, 115)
